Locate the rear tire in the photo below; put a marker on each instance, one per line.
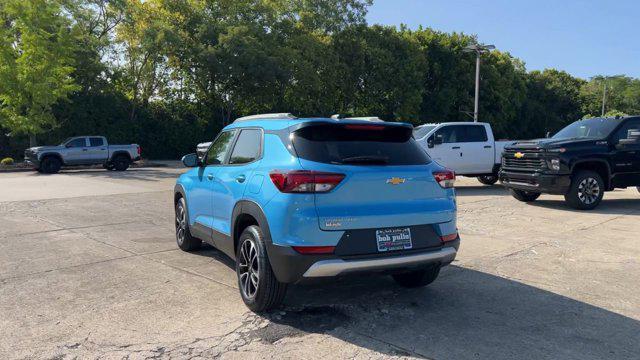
(259, 288)
(185, 240)
(50, 165)
(586, 191)
(488, 179)
(121, 163)
(524, 196)
(417, 278)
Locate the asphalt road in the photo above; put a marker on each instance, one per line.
(89, 268)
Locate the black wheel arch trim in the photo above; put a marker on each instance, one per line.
(249, 207)
(51, 154)
(120, 152)
(610, 175)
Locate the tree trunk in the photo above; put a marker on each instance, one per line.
(32, 140)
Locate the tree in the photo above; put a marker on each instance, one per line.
(35, 64)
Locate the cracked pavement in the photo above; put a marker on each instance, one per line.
(89, 269)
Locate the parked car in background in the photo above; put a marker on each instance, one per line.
(294, 199)
(468, 148)
(82, 150)
(581, 162)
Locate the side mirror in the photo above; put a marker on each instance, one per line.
(430, 144)
(67, 145)
(438, 140)
(191, 160)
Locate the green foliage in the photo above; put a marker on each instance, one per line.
(168, 74)
(35, 64)
(6, 161)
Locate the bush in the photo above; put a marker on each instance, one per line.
(7, 161)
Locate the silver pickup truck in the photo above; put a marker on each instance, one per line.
(82, 150)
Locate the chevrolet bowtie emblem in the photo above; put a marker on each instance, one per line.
(518, 155)
(395, 181)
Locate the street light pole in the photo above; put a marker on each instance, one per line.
(604, 94)
(477, 95)
(479, 49)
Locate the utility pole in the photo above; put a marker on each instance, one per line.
(605, 79)
(604, 94)
(479, 49)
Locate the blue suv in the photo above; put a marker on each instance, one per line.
(294, 199)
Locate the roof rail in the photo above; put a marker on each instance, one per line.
(274, 116)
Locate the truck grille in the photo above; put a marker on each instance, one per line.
(530, 160)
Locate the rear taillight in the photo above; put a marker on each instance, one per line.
(450, 237)
(314, 250)
(304, 181)
(139, 150)
(446, 178)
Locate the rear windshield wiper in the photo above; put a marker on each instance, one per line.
(367, 159)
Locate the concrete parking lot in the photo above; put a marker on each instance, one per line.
(89, 269)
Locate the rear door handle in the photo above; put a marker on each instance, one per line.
(240, 178)
(210, 176)
(487, 146)
(456, 147)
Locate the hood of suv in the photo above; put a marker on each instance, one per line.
(549, 143)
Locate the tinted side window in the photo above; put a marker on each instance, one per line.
(219, 148)
(247, 147)
(96, 141)
(623, 133)
(450, 134)
(474, 133)
(79, 142)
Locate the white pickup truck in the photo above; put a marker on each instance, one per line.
(468, 148)
(82, 150)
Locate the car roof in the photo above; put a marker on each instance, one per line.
(283, 123)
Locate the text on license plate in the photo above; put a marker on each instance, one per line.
(394, 239)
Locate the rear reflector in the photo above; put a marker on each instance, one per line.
(314, 250)
(305, 181)
(449, 237)
(446, 178)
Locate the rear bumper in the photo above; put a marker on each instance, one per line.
(290, 266)
(335, 267)
(556, 184)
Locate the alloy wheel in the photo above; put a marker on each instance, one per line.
(181, 224)
(248, 269)
(588, 191)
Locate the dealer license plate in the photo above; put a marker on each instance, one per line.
(394, 239)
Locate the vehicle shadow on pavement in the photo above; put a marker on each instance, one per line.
(143, 174)
(465, 314)
(481, 190)
(607, 207)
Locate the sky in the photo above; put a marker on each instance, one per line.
(584, 38)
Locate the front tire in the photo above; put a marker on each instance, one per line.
(50, 165)
(524, 196)
(586, 191)
(417, 278)
(259, 288)
(488, 179)
(185, 240)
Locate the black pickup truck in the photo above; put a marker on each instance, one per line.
(581, 162)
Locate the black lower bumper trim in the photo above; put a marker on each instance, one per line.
(556, 184)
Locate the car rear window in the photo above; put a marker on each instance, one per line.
(352, 144)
